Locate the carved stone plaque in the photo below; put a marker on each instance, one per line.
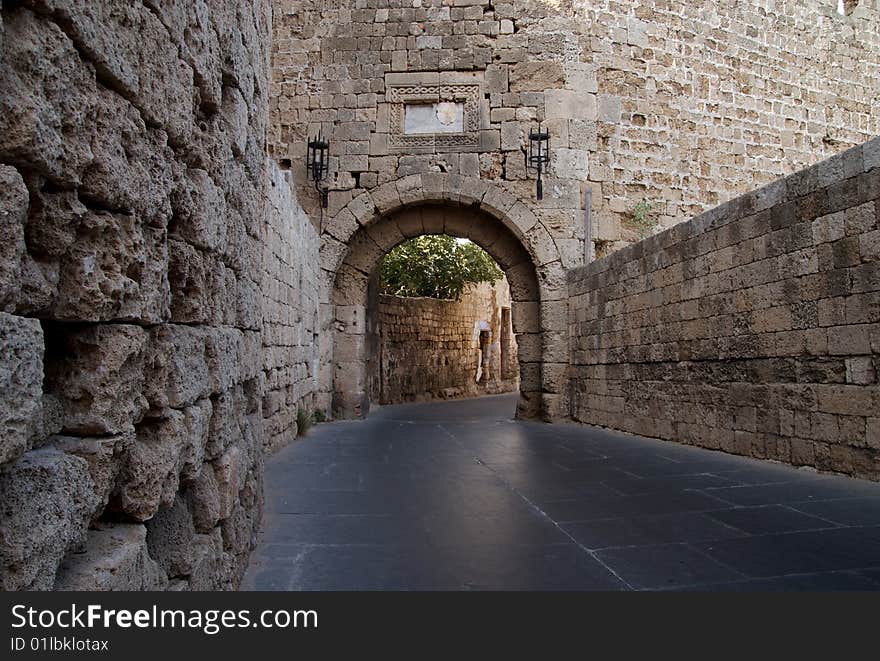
(429, 114)
(424, 118)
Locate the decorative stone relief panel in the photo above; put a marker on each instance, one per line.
(433, 111)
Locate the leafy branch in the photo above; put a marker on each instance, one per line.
(642, 219)
(435, 266)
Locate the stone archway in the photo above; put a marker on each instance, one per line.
(359, 234)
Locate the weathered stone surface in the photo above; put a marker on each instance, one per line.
(429, 350)
(170, 536)
(229, 471)
(104, 455)
(41, 71)
(536, 76)
(21, 384)
(14, 201)
(98, 375)
(47, 499)
(133, 194)
(177, 366)
(151, 475)
(210, 571)
(727, 332)
(203, 499)
(199, 209)
(115, 558)
(115, 269)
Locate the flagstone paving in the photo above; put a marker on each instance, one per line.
(460, 496)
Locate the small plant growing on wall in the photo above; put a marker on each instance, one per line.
(643, 220)
(304, 421)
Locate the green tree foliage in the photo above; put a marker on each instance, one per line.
(435, 266)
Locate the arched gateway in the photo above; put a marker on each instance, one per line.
(356, 238)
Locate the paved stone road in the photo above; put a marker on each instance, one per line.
(457, 495)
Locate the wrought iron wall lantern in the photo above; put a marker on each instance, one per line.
(318, 164)
(539, 155)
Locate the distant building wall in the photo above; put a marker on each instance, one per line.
(684, 104)
(427, 347)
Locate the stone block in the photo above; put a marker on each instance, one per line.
(48, 500)
(21, 385)
(151, 475)
(199, 209)
(541, 245)
(115, 558)
(568, 104)
(571, 163)
(860, 370)
(511, 136)
(176, 366)
(97, 373)
(105, 456)
(169, 538)
(46, 93)
(537, 76)
(208, 573)
(203, 499)
(14, 201)
(871, 154)
(229, 472)
(116, 269)
(227, 421)
(386, 198)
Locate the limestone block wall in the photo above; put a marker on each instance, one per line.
(753, 328)
(426, 345)
(132, 160)
(684, 104)
(699, 102)
(290, 312)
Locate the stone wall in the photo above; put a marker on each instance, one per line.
(132, 159)
(290, 312)
(426, 347)
(754, 328)
(682, 104)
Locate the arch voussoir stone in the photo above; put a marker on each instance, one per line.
(439, 187)
(543, 248)
(332, 252)
(343, 225)
(386, 234)
(498, 202)
(456, 222)
(472, 191)
(410, 189)
(351, 286)
(363, 208)
(364, 253)
(386, 198)
(522, 218)
(409, 221)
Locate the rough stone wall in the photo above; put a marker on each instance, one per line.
(754, 328)
(290, 312)
(684, 104)
(132, 159)
(699, 102)
(426, 345)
